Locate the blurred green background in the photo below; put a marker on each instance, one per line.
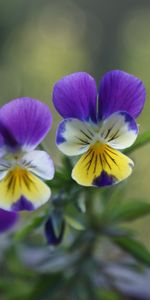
(40, 42)
(43, 40)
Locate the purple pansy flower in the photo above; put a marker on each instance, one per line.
(24, 123)
(98, 126)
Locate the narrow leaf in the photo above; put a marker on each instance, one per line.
(128, 211)
(81, 203)
(21, 234)
(74, 223)
(134, 248)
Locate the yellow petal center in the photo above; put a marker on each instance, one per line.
(102, 165)
(16, 178)
(20, 182)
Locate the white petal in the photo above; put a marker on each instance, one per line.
(74, 136)
(39, 163)
(4, 167)
(119, 130)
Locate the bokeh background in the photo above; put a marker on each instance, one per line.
(43, 40)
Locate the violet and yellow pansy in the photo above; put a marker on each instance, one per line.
(98, 125)
(24, 123)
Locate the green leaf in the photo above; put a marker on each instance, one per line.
(81, 203)
(142, 140)
(107, 295)
(134, 248)
(57, 221)
(21, 234)
(67, 165)
(129, 211)
(74, 223)
(113, 231)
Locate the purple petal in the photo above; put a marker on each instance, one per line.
(104, 179)
(75, 95)
(2, 146)
(22, 204)
(7, 220)
(120, 91)
(24, 122)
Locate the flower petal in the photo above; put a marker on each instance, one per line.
(120, 91)
(7, 220)
(5, 165)
(39, 163)
(73, 136)
(119, 130)
(75, 95)
(24, 122)
(21, 190)
(102, 166)
(50, 234)
(2, 146)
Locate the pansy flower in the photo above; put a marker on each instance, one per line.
(24, 122)
(98, 125)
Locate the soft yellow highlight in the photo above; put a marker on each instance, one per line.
(101, 157)
(19, 182)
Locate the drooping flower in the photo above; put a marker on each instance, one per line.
(24, 122)
(7, 220)
(97, 127)
(51, 236)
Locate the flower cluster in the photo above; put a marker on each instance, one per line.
(97, 127)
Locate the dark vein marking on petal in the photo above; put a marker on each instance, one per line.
(20, 181)
(107, 133)
(85, 134)
(114, 135)
(111, 157)
(26, 181)
(11, 183)
(95, 164)
(82, 141)
(106, 161)
(90, 132)
(88, 165)
(27, 163)
(34, 167)
(5, 166)
(101, 160)
(108, 149)
(88, 153)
